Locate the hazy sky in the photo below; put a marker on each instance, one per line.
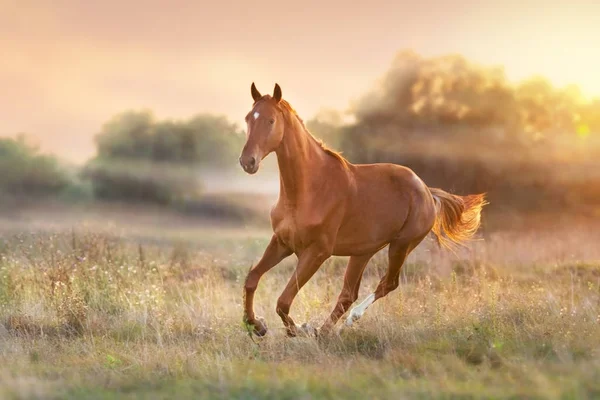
(68, 66)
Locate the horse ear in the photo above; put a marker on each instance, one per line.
(255, 93)
(277, 93)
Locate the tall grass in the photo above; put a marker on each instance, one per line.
(88, 315)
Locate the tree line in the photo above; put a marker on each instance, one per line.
(459, 125)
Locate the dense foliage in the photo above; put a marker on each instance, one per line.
(140, 158)
(24, 171)
(465, 128)
(459, 125)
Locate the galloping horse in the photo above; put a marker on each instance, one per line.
(329, 206)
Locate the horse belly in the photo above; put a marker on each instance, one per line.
(369, 230)
(375, 217)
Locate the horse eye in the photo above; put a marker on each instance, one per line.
(271, 121)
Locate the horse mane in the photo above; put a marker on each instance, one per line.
(285, 106)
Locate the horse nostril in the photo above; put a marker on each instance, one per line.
(252, 162)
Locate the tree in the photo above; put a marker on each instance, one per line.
(142, 159)
(464, 127)
(24, 171)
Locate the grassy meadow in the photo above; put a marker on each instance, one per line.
(150, 307)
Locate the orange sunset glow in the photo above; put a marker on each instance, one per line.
(310, 199)
(68, 66)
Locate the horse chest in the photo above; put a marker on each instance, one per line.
(285, 231)
(293, 230)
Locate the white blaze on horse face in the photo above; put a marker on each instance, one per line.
(256, 115)
(360, 309)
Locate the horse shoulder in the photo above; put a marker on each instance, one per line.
(324, 215)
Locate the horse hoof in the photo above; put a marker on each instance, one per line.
(292, 331)
(352, 318)
(326, 332)
(307, 330)
(260, 327)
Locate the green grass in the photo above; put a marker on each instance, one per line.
(96, 316)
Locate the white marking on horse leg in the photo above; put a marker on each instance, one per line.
(256, 115)
(360, 309)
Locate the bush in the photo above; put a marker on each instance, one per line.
(24, 171)
(141, 181)
(141, 159)
(464, 128)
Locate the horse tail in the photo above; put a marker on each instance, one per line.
(457, 217)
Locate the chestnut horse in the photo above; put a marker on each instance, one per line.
(329, 206)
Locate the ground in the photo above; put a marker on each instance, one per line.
(156, 312)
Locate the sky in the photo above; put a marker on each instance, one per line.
(66, 67)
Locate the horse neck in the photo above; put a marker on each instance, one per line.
(299, 157)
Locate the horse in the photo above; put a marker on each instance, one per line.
(328, 206)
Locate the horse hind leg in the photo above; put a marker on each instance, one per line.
(349, 293)
(397, 253)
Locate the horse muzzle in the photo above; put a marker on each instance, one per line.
(249, 164)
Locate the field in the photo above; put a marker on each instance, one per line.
(151, 308)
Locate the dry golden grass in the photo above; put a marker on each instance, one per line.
(87, 315)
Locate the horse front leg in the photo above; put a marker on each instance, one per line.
(309, 262)
(275, 252)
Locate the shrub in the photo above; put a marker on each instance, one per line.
(141, 159)
(24, 171)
